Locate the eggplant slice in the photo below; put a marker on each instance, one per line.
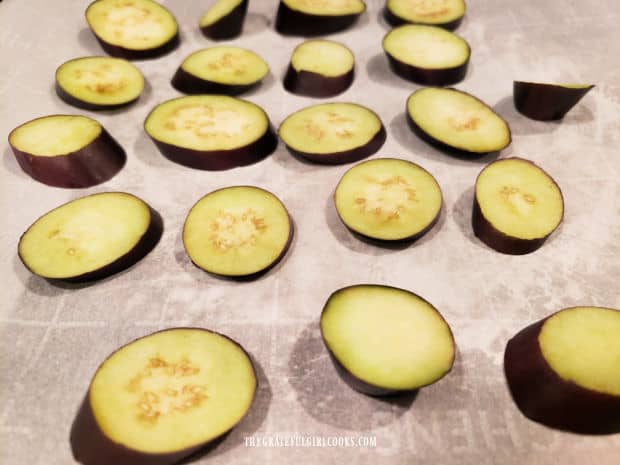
(220, 70)
(239, 231)
(66, 151)
(162, 398)
(133, 29)
(456, 122)
(517, 206)
(224, 20)
(385, 340)
(313, 18)
(547, 102)
(211, 132)
(333, 133)
(443, 13)
(90, 238)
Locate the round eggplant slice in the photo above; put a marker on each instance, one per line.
(385, 340)
(224, 20)
(546, 102)
(320, 68)
(90, 238)
(211, 132)
(66, 151)
(456, 122)
(239, 231)
(317, 17)
(133, 29)
(443, 13)
(99, 83)
(220, 70)
(426, 54)
(387, 199)
(162, 398)
(333, 133)
(516, 206)
(563, 370)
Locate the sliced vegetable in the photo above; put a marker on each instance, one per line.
(224, 20)
(444, 13)
(317, 17)
(546, 102)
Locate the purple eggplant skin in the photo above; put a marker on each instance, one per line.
(76, 102)
(546, 102)
(229, 26)
(395, 21)
(543, 396)
(296, 23)
(132, 54)
(316, 85)
(189, 84)
(427, 76)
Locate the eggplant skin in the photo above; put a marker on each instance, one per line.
(132, 54)
(296, 23)
(76, 102)
(189, 84)
(316, 85)
(396, 21)
(546, 102)
(229, 26)
(426, 76)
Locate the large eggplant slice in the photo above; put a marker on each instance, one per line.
(563, 370)
(224, 19)
(388, 199)
(99, 83)
(320, 68)
(239, 231)
(133, 29)
(456, 122)
(66, 151)
(443, 13)
(162, 398)
(220, 70)
(385, 340)
(211, 132)
(517, 206)
(90, 238)
(426, 54)
(333, 133)
(312, 17)
(547, 102)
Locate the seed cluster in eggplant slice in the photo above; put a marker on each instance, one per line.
(133, 29)
(90, 238)
(66, 151)
(320, 68)
(426, 54)
(162, 398)
(224, 19)
(386, 340)
(211, 132)
(317, 17)
(220, 70)
(517, 206)
(443, 13)
(547, 102)
(333, 133)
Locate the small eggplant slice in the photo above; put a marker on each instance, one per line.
(99, 83)
(443, 13)
(239, 231)
(387, 199)
(133, 29)
(66, 151)
(384, 340)
(333, 133)
(163, 397)
(546, 102)
(211, 132)
(320, 68)
(220, 70)
(90, 238)
(313, 18)
(563, 370)
(517, 206)
(456, 122)
(426, 54)
(224, 20)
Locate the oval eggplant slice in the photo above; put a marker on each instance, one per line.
(517, 206)
(99, 83)
(456, 122)
(385, 340)
(426, 54)
(90, 238)
(163, 397)
(224, 20)
(563, 370)
(333, 133)
(220, 70)
(211, 132)
(133, 29)
(317, 17)
(443, 13)
(66, 151)
(320, 68)
(546, 102)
